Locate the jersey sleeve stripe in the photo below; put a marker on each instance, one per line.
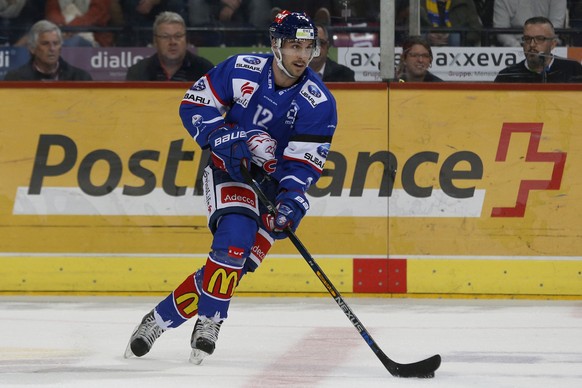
(311, 138)
(213, 90)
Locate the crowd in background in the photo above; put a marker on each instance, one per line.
(173, 26)
(210, 22)
(128, 23)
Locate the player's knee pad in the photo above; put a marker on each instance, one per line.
(222, 273)
(235, 235)
(182, 303)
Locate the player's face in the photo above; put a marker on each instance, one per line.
(538, 39)
(48, 49)
(296, 55)
(170, 41)
(417, 61)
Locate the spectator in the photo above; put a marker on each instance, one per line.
(362, 10)
(460, 14)
(9, 12)
(172, 61)
(328, 69)
(81, 13)
(575, 21)
(44, 42)
(142, 14)
(415, 60)
(540, 65)
(485, 12)
(117, 19)
(231, 13)
(514, 13)
(16, 19)
(319, 10)
(11, 8)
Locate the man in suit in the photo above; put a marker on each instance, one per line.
(329, 70)
(172, 60)
(540, 65)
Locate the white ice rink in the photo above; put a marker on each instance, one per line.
(295, 342)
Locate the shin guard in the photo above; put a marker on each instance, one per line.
(182, 303)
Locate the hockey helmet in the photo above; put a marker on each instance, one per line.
(292, 25)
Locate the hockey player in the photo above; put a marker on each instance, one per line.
(272, 115)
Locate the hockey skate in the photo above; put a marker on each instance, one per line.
(144, 336)
(203, 340)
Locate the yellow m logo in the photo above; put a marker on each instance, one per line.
(192, 306)
(227, 283)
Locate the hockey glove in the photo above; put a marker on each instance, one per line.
(229, 150)
(291, 207)
(262, 147)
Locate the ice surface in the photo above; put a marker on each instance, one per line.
(294, 342)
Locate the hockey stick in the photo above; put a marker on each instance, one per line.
(420, 369)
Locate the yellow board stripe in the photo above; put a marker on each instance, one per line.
(114, 275)
(157, 274)
(495, 277)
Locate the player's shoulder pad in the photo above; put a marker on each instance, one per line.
(314, 90)
(254, 63)
(315, 93)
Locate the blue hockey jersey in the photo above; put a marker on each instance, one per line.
(241, 90)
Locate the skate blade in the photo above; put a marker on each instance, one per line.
(197, 356)
(128, 353)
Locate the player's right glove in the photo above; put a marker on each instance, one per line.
(230, 150)
(291, 207)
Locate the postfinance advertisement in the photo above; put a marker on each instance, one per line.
(452, 190)
(485, 194)
(101, 190)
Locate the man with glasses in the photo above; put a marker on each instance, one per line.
(540, 65)
(325, 67)
(512, 14)
(172, 61)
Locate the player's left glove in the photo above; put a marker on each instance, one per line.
(291, 207)
(230, 150)
(262, 147)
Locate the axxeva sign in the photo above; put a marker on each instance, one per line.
(466, 188)
(467, 64)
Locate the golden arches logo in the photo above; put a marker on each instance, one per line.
(228, 281)
(192, 306)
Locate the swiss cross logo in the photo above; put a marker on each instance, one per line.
(532, 155)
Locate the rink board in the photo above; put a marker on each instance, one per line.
(101, 178)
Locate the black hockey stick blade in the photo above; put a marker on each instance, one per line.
(424, 369)
(421, 369)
